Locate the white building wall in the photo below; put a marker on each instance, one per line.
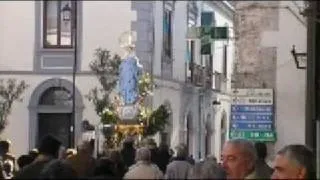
(17, 31)
(103, 23)
(18, 122)
(179, 40)
(290, 84)
(158, 31)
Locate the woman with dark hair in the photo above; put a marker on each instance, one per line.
(120, 167)
(163, 157)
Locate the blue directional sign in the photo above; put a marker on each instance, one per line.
(251, 119)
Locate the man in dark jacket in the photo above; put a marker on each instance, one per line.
(262, 168)
(48, 150)
(128, 153)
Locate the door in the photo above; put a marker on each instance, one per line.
(56, 124)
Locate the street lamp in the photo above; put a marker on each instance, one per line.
(70, 15)
(299, 58)
(66, 13)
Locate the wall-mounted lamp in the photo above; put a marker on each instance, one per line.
(300, 59)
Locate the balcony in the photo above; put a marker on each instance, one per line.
(200, 76)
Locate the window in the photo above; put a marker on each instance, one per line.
(190, 64)
(57, 28)
(167, 32)
(191, 22)
(56, 96)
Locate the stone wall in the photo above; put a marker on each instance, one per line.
(255, 65)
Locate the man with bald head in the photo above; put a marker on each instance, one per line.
(238, 159)
(294, 162)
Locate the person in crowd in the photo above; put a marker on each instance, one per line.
(151, 144)
(163, 157)
(179, 167)
(211, 169)
(120, 168)
(294, 162)
(238, 159)
(83, 163)
(191, 160)
(143, 168)
(128, 152)
(24, 160)
(263, 170)
(8, 169)
(58, 169)
(105, 169)
(196, 171)
(48, 151)
(5, 152)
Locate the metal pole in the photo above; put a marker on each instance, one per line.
(318, 149)
(74, 77)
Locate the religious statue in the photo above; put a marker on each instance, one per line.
(130, 71)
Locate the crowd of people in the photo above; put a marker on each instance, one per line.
(240, 159)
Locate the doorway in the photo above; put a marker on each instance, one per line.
(50, 111)
(56, 124)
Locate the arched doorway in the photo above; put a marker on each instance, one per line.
(166, 135)
(189, 133)
(50, 112)
(208, 135)
(223, 129)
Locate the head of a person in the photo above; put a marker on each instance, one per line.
(115, 156)
(8, 166)
(24, 160)
(4, 146)
(50, 146)
(33, 153)
(238, 158)
(58, 169)
(85, 148)
(261, 149)
(212, 159)
(128, 143)
(294, 162)
(105, 166)
(211, 170)
(143, 154)
(164, 147)
(182, 151)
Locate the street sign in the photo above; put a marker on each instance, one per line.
(254, 135)
(252, 115)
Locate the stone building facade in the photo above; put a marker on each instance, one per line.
(265, 32)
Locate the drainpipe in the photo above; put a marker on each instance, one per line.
(200, 120)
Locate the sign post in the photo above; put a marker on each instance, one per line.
(252, 115)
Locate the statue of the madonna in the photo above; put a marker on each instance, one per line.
(130, 71)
